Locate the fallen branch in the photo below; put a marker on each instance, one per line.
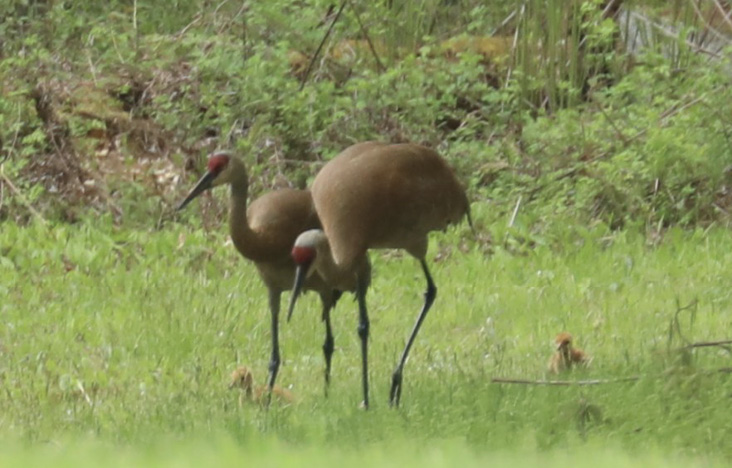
(571, 383)
(563, 383)
(704, 344)
(724, 344)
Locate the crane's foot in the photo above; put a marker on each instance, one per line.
(274, 367)
(396, 388)
(364, 405)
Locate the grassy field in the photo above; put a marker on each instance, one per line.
(116, 347)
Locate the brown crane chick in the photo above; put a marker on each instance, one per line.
(242, 379)
(566, 355)
(377, 196)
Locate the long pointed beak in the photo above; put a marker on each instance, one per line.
(300, 274)
(203, 184)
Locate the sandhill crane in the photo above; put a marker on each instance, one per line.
(264, 233)
(566, 355)
(377, 195)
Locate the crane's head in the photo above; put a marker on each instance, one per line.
(564, 347)
(305, 255)
(218, 171)
(563, 341)
(242, 378)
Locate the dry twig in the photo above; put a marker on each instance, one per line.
(322, 43)
(705, 344)
(571, 383)
(563, 383)
(20, 196)
(368, 39)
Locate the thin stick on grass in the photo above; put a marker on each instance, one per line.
(20, 196)
(725, 15)
(724, 344)
(322, 43)
(563, 383)
(183, 31)
(705, 344)
(503, 23)
(570, 383)
(368, 39)
(515, 212)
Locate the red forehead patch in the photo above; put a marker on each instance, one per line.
(218, 162)
(303, 255)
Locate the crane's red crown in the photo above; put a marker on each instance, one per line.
(303, 255)
(217, 162)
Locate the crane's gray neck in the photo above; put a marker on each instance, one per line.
(239, 181)
(239, 224)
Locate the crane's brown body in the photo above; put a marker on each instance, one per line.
(375, 195)
(264, 232)
(371, 196)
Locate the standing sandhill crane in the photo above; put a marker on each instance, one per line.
(377, 195)
(566, 355)
(264, 233)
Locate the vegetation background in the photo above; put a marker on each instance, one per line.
(594, 137)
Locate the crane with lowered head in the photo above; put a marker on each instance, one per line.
(371, 196)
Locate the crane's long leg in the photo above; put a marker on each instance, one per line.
(328, 344)
(329, 302)
(274, 361)
(363, 333)
(429, 297)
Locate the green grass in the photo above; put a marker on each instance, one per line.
(227, 452)
(116, 347)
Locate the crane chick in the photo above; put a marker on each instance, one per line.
(242, 379)
(566, 355)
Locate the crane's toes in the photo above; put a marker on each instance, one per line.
(396, 388)
(364, 405)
